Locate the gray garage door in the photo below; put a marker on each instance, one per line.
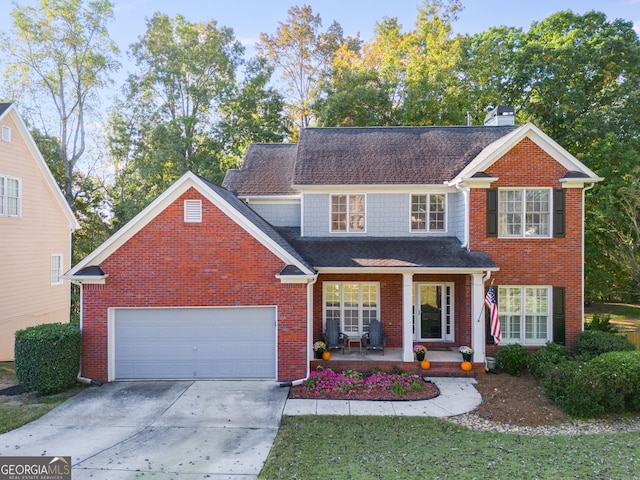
(217, 343)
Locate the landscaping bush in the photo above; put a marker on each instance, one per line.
(47, 357)
(512, 358)
(601, 323)
(545, 357)
(606, 384)
(592, 343)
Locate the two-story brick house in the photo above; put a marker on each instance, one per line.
(406, 225)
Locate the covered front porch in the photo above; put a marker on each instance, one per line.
(440, 310)
(445, 362)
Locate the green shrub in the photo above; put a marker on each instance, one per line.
(512, 358)
(545, 357)
(601, 323)
(47, 357)
(592, 343)
(606, 384)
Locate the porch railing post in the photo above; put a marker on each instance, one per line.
(407, 317)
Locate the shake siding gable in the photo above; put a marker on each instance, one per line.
(530, 261)
(214, 263)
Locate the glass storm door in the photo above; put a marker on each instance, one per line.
(433, 312)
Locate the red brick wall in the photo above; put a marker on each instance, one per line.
(548, 261)
(170, 263)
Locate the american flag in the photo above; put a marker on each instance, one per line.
(490, 301)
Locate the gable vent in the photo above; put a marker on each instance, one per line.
(193, 211)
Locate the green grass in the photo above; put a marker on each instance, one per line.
(330, 447)
(625, 317)
(18, 411)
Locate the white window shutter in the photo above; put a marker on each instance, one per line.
(193, 211)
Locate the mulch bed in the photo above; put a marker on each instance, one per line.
(427, 391)
(14, 390)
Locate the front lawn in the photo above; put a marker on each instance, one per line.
(330, 447)
(18, 410)
(625, 317)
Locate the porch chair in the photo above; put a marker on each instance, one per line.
(333, 337)
(374, 339)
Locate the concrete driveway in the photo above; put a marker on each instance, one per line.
(161, 430)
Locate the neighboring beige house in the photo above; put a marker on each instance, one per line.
(35, 235)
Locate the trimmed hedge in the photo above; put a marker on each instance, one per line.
(609, 383)
(512, 358)
(544, 358)
(592, 343)
(47, 357)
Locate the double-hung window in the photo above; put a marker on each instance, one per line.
(525, 314)
(353, 304)
(524, 212)
(348, 213)
(9, 196)
(428, 213)
(56, 269)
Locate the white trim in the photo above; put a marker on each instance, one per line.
(42, 166)
(427, 229)
(187, 181)
(364, 188)
(5, 204)
(192, 210)
(523, 314)
(491, 153)
(60, 269)
(348, 230)
(402, 270)
(523, 212)
(6, 133)
(271, 199)
(341, 285)
(111, 331)
(444, 338)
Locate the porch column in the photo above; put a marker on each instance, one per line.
(407, 317)
(477, 318)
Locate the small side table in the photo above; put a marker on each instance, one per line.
(354, 340)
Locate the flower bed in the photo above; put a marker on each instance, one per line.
(375, 385)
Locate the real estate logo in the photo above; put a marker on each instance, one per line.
(35, 468)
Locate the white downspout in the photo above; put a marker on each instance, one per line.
(309, 334)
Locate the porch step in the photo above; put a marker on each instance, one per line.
(438, 369)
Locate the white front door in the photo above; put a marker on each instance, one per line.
(433, 312)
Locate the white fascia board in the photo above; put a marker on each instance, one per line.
(578, 182)
(85, 279)
(296, 278)
(394, 188)
(42, 166)
(400, 270)
(270, 199)
(187, 181)
(497, 149)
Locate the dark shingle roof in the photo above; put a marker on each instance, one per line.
(389, 155)
(267, 170)
(4, 106)
(256, 220)
(342, 252)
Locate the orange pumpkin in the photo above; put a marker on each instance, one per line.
(425, 364)
(326, 355)
(466, 366)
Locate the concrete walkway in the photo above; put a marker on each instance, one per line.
(457, 396)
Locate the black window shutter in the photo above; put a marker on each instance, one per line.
(492, 212)
(559, 213)
(559, 329)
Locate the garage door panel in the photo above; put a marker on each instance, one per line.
(237, 342)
